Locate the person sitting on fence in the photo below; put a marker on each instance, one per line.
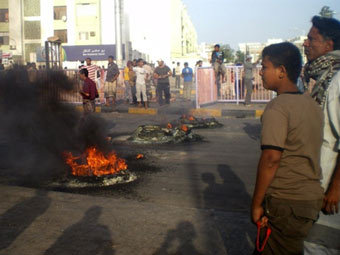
(217, 58)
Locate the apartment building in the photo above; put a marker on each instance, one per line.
(25, 25)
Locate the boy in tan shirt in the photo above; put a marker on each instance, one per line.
(288, 194)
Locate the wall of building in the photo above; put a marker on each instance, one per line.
(150, 30)
(4, 27)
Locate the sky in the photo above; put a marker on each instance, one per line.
(243, 21)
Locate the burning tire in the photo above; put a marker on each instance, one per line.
(155, 134)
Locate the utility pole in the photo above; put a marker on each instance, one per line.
(118, 29)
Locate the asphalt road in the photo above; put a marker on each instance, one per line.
(191, 198)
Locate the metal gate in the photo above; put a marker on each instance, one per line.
(232, 90)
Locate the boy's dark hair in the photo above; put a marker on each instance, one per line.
(329, 28)
(111, 57)
(186, 64)
(217, 45)
(140, 60)
(285, 54)
(84, 71)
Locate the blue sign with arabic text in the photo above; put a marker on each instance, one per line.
(95, 52)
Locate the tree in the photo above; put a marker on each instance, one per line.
(326, 12)
(228, 53)
(239, 57)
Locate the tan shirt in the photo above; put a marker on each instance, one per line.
(293, 123)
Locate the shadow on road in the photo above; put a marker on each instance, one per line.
(18, 218)
(231, 195)
(179, 241)
(253, 130)
(86, 237)
(231, 204)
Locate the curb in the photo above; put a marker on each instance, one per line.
(149, 111)
(201, 112)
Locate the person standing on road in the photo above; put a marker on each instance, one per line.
(128, 94)
(248, 78)
(89, 91)
(288, 193)
(141, 77)
(148, 81)
(2, 67)
(162, 73)
(187, 75)
(92, 69)
(178, 75)
(132, 81)
(110, 86)
(322, 49)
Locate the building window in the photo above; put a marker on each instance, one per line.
(62, 34)
(86, 9)
(4, 15)
(31, 8)
(4, 40)
(60, 13)
(83, 36)
(32, 30)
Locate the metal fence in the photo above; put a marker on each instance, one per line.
(232, 90)
(75, 97)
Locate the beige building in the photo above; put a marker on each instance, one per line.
(25, 25)
(183, 33)
(160, 30)
(4, 26)
(255, 49)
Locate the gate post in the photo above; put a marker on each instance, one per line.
(237, 85)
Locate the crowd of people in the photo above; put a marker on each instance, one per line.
(139, 78)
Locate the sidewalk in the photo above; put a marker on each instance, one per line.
(180, 107)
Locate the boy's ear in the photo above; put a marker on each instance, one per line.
(282, 72)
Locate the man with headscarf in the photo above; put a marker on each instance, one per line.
(322, 49)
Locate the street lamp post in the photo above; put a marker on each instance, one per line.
(118, 29)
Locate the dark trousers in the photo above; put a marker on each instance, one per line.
(89, 106)
(290, 221)
(133, 93)
(248, 84)
(163, 88)
(178, 81)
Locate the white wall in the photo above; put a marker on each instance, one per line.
(46, 13)
(149, 27)
(15, 28)
(108, 21)
(71, 22)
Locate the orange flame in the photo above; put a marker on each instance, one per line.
(97, 163)
(140, 156)
(191, 118)
(169, 126)
(184, 128)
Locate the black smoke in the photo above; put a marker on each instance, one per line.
(37, 127)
